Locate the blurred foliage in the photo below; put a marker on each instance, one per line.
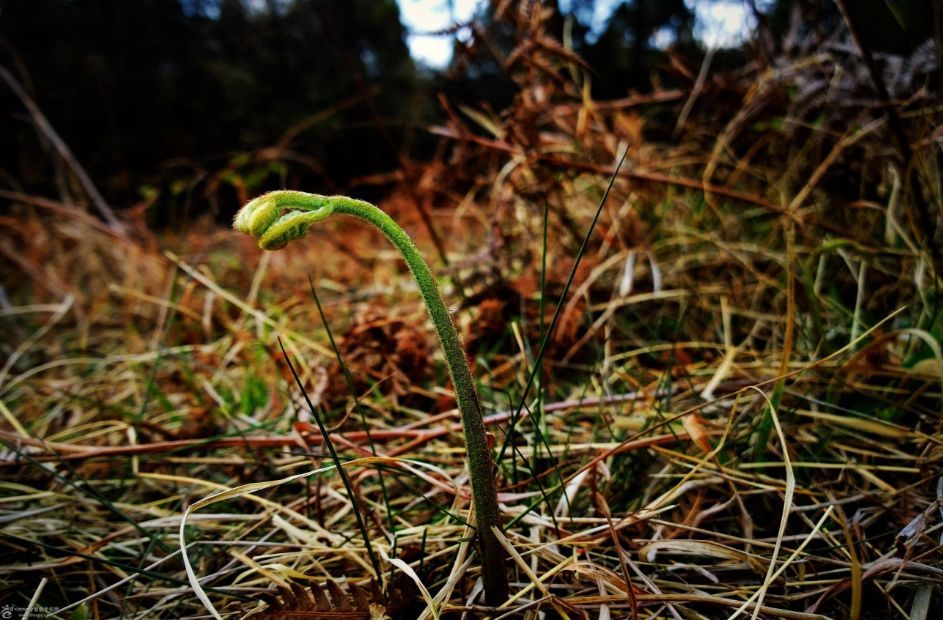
(191, 105)
(132, 86)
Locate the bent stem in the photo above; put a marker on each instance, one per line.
(279, 217)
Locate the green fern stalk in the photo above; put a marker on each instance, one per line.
(277, 218)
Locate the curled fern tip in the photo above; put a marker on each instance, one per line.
(276, 218)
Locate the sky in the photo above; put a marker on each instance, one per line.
(718, 23)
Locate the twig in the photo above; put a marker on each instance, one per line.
(47, 130)
(927, 221)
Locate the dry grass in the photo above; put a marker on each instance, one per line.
(738, 412)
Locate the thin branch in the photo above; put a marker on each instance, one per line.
(47, 130)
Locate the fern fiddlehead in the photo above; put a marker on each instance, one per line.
(277, 218)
